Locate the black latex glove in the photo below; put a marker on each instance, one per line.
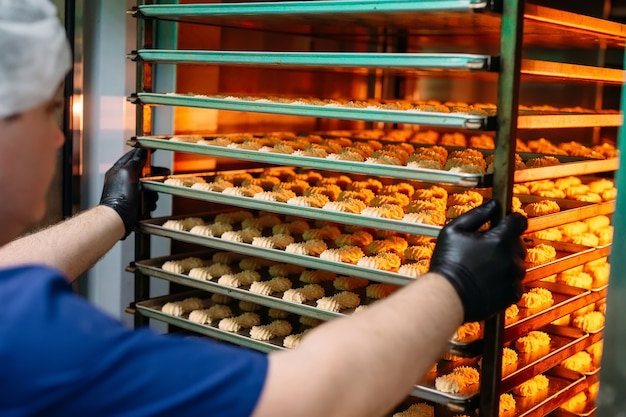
(121, 189)
(485, 268)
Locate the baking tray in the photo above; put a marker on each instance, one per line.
(152, 309)
(568, 255)
(564, 342)
(332, 60)
(566, 300)
(544, 26)
(152, 267)
(412, 62)
(571, 167)
(453, 120)
(571, 211)
(526, 119)
(563, 384)
(155, 227)
(301, 211)
(392, 171)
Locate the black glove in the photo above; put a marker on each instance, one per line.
(121, 189)
(485, 268)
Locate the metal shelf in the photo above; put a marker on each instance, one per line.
(391, 171)
(452, 120)
(326, 60)
(152, 227)
(152, 309)
(284, 208)
(405, 62)
(526, 119)
(429, 18)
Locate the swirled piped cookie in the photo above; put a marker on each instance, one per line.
(532, 387)
(276, 284)
(540, 254)
(462, 380)
(536, 298)
(345, 283)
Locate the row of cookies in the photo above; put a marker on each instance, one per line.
(292, 282)
(571, 187)
(483, 141)
(359, 247)
(594, 231)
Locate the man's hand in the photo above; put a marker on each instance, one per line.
(485, 268)
(121, 189)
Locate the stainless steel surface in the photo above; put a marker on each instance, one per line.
(407, 62)
(455, 120)
(324, 60)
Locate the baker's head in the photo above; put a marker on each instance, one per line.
(34, 54)
(34, 59)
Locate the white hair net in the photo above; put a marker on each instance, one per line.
(34, 54)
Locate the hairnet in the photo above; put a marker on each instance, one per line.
(34, 54)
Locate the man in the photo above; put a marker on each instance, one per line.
(61, 357)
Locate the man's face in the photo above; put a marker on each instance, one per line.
(28, 145)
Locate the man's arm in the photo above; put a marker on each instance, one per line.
(365, 364)
(75, 245)
(72, 246)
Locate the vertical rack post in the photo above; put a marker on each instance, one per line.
(506, 133)
(611, 401)
(142, 127)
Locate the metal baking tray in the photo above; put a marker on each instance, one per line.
(563, 384)
(568, 255)
(412, 62)
(152, 309)
(155, 227)
(332, 60)
(571, 211)
(152, 267)
(454, 120)
(392, 171)
(564, 342)
(526, 119)
(543, 25)
(566, 300)
(569, 166)
(301, 211)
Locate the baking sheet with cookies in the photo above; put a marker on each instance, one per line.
(364, 263)
(392, 205)
(569, 165)
(154, 267)
(154, 308)
(567, 300)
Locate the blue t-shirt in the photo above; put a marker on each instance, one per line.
(59, 356)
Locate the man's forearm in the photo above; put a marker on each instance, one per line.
(72, 246)
(364, 364)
